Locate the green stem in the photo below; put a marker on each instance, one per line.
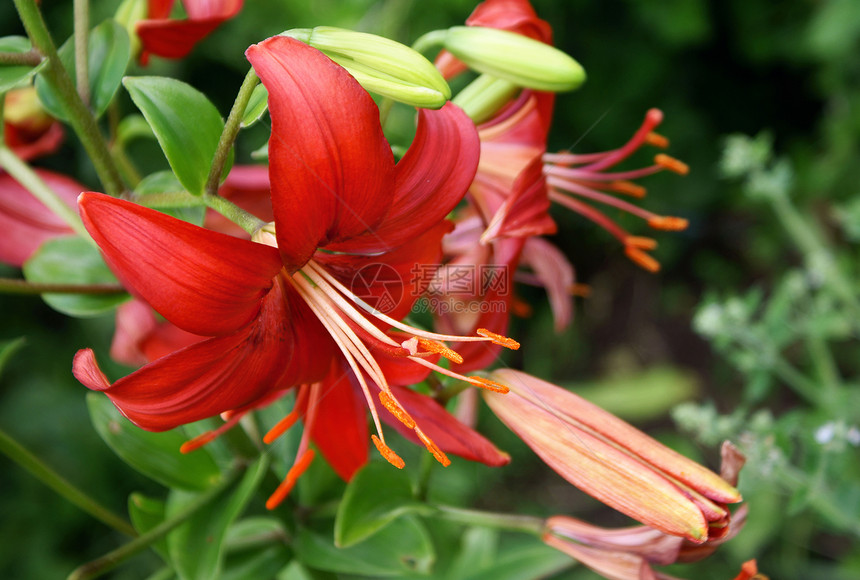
(20, 455)
(826, 368)
(515, 523)
(816, 252)
(80, 117)
(30, 58)
(234, 213)
(17, 286)
(168, 199)
(24, 174)
(433, 39)
(231, 130)
(112, 559)
(82, 30)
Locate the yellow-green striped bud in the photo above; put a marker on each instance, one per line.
(381, 65)
(519, 59)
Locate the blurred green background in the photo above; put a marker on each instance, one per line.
(715, 68)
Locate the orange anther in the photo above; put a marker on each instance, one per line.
(520, 308)
(298, 468)
(198, 441)
(656, 140)
(642, 259)
(640, 242)
(499, 339)
(281, 427)
(668, 223)
(628, 188)
(432, 448)
(489, 385)
(671, 164)
(439, 348)
(581, 290)
(387, 453)
(395, 409)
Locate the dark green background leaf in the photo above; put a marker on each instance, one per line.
(12, 76)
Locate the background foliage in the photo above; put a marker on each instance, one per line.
(741, 297)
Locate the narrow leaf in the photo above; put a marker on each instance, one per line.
(156, 455)
(187, 126)
(109, 51)
(146, 513)
(196, 547)
(257, 106)
(364, 510)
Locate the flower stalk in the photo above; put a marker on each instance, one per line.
(38, 468)
(80, 117)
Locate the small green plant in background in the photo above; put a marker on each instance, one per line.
(793, 342)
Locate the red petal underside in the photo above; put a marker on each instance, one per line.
(174, 38)
(204, 282)
(25, 222)
(135, 320)
(555, 272)
(431, 179)
(339, 429)
(393, 281)
(205, 379)
(332, 170)
(525, 210)
(444, 429)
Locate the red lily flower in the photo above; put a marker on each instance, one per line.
(278, 311)
(171, 38)
(514, 196)
(25, 222)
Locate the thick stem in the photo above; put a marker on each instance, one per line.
(82, 65)
(20, 455)
(24, 174)
(80, 117)
(112, 559)
(18, 286)
(233, 212)
(231, 129)
(527, 524)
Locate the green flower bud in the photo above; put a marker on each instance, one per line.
(129, 13)
(513, 57)
(382, 66)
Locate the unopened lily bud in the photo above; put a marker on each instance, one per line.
(611, 460)
(381, 65)
(129, 13)
(513, 57)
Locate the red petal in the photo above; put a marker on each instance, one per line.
(555, 273)
(339, 428)
(431, 179)
(248, 187)
(331, 168)
(203, 380)
(29, 144)
(512, 15)
(25, 222)
(393, 281)
(204, 282)
(444, 429)
(176, 38)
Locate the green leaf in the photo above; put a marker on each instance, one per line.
(156, 455)
(295, 571)
(8, 348)
(196, 547)
(528, 559)
(133, 127)
(109, 51)
(166, 182)
(146, 513)
(187, 126)
(365, 510)
(257, 549)
(13, 76)
(73, 260)
(257, 106)
(403, 547)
